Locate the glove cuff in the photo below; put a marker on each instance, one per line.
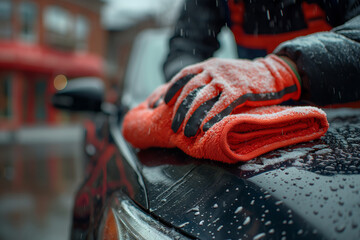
(291, 70)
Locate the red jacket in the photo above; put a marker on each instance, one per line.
(327, 55)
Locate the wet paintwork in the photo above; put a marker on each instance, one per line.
(305, 191)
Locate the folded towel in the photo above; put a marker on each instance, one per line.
(245, 134)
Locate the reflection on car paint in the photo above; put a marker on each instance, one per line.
(305, 191)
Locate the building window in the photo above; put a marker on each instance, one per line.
(5, 18)
(82, 28)
(59, 28)
(5, 97)
(57, 20)
(28, 16)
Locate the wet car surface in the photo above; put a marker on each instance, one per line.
(305, 191)
(310, 190)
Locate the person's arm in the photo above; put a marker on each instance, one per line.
(195, 35)
(329, 62)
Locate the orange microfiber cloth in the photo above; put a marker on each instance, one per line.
(245, 134)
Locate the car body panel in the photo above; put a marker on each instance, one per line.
(305, 191)
(309, 190)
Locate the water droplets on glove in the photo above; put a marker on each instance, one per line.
(205, 93)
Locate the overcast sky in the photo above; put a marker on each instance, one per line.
(121, 14)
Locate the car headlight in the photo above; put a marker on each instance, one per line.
(123, 219)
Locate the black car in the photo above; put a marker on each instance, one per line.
(305, 191)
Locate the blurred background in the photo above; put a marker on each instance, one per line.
(43, 45)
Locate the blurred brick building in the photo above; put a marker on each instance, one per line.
(40, 41)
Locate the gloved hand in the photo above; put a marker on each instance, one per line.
(205, 93)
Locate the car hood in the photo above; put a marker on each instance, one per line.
(308, 190)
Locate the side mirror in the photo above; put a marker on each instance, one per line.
(81, 94)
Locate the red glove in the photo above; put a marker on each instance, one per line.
(205, 93)
(246, 133)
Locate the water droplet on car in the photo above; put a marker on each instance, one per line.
(329, 168)
(246, 221)
(354, 225)
(259, 236)
(340, 228)
(239, 209)
(184, 224)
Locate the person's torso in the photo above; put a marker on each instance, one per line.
(259, 26)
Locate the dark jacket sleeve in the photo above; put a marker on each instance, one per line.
(329, 62)
(195, 35)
